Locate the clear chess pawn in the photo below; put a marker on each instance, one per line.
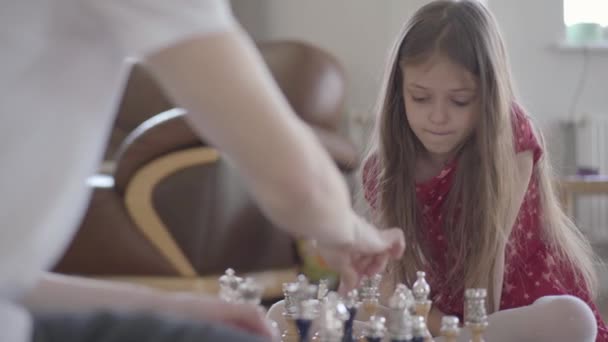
(332, 315)
(250, 292)
(419, 329)
(421, 291)
(323, 288)
(290, 333)
(306, 315)
(305, 303)
(399, 320)
(229, 284)
(475, 316)
(376, 329)
(449, 328)
(352, 304)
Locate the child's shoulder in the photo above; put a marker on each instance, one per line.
(524, 135)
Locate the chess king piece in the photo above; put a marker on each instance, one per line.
(229, 284)
(352, 304)
(290, 334)
(475, 316)
(421, 291)
(449, 328)
(332, 315)
(376, 329)
(399, 320)
(419, 329)
(370, 293)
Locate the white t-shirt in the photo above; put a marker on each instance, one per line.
(62, 69)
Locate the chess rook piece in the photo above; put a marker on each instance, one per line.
(370, 294)
(399, 320)
(290, 334)
(449, 328)
(305, 317)
(376, 329)
(229, 284)
(352, 304)
(421, 291)
(476, 318)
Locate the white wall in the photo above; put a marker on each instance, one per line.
(360, 33)
(547, 77)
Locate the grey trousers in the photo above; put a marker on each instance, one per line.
(134, 327)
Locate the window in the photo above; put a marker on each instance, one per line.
(586, 22)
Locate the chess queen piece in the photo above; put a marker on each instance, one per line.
(419, 329)
(229, 284)
(370, 294)
(449, 328)
(332, 316)
(475, 316)
(352, 304)
(290, 334)
(399, 320)
(376, 329)
(421, 291)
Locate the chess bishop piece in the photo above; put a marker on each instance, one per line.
(421, 291)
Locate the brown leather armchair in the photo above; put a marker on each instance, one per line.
(176, 211)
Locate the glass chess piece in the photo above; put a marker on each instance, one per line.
(352, 305)
(250, 292)
(332, 316)
(306, 315)
(229, 284)
(290, 333)
(449, 328)
(475, 315)
(376, 329)
(419, 329)
(399, 320)
(421, 291)
(370, 294)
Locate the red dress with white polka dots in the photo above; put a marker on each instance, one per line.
(531, 271)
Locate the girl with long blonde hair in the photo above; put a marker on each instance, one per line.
(457, 164)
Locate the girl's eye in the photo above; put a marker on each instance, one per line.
(461, 103)
(420, 99)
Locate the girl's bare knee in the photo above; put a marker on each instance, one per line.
(571, 315)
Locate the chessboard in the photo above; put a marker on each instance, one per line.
(311, 312)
